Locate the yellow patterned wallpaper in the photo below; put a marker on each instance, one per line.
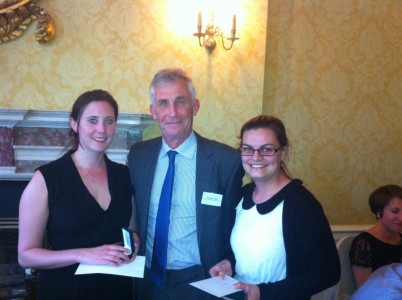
(119, 45)
(330, 69)
(334, 75)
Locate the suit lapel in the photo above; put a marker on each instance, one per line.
(204, 171)
(148, 164)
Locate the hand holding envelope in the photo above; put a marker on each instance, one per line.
(132, 269)
(217, 286)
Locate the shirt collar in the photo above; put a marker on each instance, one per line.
(187, 148)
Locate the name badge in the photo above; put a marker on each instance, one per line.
(211, 199)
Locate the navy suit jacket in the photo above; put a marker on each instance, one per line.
(218, 170)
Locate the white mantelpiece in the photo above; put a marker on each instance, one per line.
(59, 119)
(10, 117)
(49, 123)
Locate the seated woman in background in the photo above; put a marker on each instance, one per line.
(80, 202)
(282, 241)
(382, 244)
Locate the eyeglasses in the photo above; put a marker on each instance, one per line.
(264, 151)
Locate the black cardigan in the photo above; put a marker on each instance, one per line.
(312, 260)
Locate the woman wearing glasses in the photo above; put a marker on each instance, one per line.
(281, 239)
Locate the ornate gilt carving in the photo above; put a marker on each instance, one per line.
(16, 15)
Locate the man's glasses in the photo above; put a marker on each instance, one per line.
(264, 151)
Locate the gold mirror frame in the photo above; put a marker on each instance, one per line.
(16, 15)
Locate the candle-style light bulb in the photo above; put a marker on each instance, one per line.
(234, 22)
(199, 19)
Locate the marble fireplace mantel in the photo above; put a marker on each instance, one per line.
(29, 138)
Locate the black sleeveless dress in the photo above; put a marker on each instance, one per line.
(77, 221)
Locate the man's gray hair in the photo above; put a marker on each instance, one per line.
(170, 75)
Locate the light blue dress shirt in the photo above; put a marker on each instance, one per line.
(183, 249)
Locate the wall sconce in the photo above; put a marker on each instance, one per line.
(207, 39)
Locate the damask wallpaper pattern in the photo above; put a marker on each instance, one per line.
(334, 75)
(119, 45)
(331, 69)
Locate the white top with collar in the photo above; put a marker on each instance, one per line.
(257, 242)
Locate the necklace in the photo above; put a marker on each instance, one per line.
(85, 172)
(91, 178)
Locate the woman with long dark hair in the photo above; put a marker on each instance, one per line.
(79, 204)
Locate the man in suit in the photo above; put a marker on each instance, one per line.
(206, 189)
